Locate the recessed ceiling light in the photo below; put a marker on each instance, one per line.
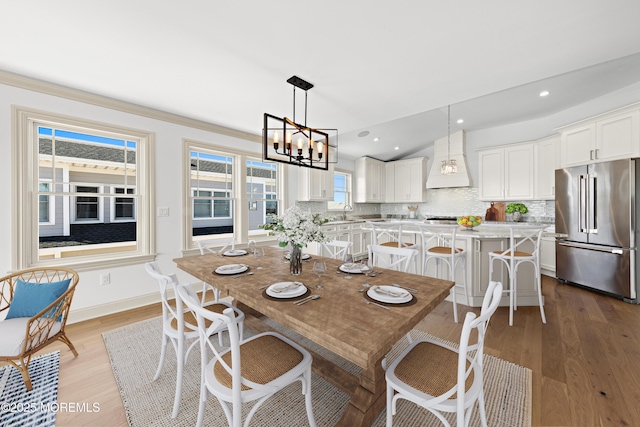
(396, 148)
(376, 139)
(363, 133)
(460, 121)
(544, 93)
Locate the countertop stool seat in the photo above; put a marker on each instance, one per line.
(389, 234)
(514, 256)
(439, 244)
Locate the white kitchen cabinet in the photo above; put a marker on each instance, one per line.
(369, 180)
(507, 173)
(611, 136)
(548, 256)
(405, 180)
(547, 160)
(315, 185)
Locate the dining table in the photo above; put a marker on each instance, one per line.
(343, 318)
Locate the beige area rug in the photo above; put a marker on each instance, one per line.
(134, 351)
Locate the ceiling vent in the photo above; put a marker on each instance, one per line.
(455, 152)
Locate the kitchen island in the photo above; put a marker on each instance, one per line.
(478, 243)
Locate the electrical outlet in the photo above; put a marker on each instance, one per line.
(105, 279)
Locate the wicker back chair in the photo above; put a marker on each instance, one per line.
(25, 336)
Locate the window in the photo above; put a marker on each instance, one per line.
(87, 207)
(214, 177)
(124, 208)
(45, 205)
(341, 191)
(79, 166)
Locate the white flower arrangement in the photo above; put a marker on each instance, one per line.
(296, 227)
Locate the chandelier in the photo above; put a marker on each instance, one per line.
(449, 166)
(285, 141)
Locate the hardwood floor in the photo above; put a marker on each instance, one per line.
(584, 360)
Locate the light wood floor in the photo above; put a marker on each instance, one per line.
(584, 360)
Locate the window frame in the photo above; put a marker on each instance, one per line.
(25, 172)
(348, 192)
(51, 202)
(99, 202)
(238, 197)
(114, 203)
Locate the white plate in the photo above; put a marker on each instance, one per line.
(353, 268)
(292, 289)
(235, 252)
(380, 295)
(231, 269)
(304, 256)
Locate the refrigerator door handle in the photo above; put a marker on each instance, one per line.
(582, 204)
(593, 196)
(609, 250)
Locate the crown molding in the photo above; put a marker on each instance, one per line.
(53, 89)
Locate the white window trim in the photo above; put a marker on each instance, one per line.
(24, 199)
(212, 190)
(239, 193)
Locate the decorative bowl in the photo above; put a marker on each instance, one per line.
(469, 221)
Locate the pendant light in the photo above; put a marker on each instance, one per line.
(449, 166)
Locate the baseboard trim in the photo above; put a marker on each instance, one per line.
(95, 311)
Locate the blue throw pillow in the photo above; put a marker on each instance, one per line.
(30, 299)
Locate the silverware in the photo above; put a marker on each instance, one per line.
(307, 299)
(243, 274)
(262, 287)
(405, 288)
(374, 303)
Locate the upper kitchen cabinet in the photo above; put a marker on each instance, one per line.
(611, 136)
(370, 180)
(315, 185)
(547, 160)
(405, 180)
(507, 173)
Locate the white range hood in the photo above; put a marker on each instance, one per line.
(459, 179)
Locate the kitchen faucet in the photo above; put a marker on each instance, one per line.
(344, 211)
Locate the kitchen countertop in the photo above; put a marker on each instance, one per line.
(494, 230)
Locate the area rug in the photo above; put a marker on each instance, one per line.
(19, 407)
(134, 351)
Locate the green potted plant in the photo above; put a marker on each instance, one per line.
(516, 210)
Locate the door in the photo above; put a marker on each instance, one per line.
(570, 203)
(610, 198)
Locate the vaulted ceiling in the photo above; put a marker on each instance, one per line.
(377, 66)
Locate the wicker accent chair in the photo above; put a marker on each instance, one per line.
(22, 337)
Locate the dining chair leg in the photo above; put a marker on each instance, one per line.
(389, 406)
(538, 279)
(307, 397)
(163, 350)
(483, 413)
(179, 372)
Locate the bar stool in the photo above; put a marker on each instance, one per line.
(439, 244)
(389, 234)
(514, 256)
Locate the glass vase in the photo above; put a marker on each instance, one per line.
(295, 260)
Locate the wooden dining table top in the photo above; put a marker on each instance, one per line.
(339, 320)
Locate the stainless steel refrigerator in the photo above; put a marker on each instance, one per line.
(597, 207)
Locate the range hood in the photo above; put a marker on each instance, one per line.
(459, 179)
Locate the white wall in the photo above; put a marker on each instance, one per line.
(129, 283)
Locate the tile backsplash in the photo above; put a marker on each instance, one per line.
(441, 202)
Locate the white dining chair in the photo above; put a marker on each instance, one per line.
(391, 257)
(250, 370)
(445, 378)
(388, 234)
(516, 255)
(211, 246)
(180, 326)
(337, 249)
(438, 244)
